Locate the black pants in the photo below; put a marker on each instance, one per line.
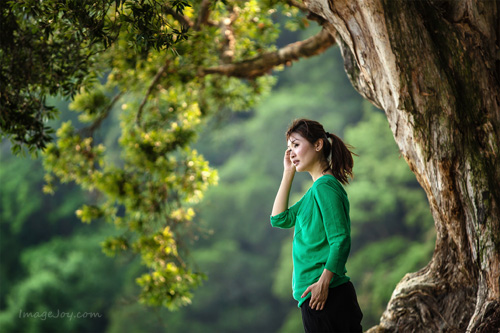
(341, 312)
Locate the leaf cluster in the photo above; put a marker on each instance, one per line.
(51, 47)
(149, 198)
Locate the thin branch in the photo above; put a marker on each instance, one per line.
(88, 131)
(264, 63)
(203, 15)
(182, 19)
(149, 91)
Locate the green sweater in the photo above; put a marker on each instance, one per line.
(322, 237)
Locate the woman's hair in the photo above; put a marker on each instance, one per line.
(336, 154)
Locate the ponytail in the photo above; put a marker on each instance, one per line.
(340, 159)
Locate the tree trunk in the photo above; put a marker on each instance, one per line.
(434, 68)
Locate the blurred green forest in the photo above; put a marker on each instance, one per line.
(52, 262)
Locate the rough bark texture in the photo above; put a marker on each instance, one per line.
(434, 68)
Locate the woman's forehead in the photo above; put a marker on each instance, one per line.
(294, 137)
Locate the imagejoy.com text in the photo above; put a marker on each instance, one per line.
(43, 315)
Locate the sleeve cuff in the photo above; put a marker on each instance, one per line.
(279, 216)
(282, 220)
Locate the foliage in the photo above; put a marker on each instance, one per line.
(53, 47)
(47, 263)
(25, 220)
(154, 192)
(54, 279)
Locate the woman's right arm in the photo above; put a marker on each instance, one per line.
(281, 200)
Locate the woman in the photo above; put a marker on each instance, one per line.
(322, 238)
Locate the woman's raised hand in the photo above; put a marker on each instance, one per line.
(281, 201)
(287, 161)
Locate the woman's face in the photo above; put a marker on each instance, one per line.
(303, 154)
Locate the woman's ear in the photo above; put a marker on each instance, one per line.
(318, 145)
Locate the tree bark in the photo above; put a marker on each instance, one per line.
(434, 68)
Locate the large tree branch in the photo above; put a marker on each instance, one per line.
(264, 63)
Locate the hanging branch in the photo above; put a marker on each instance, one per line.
(149, 91)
